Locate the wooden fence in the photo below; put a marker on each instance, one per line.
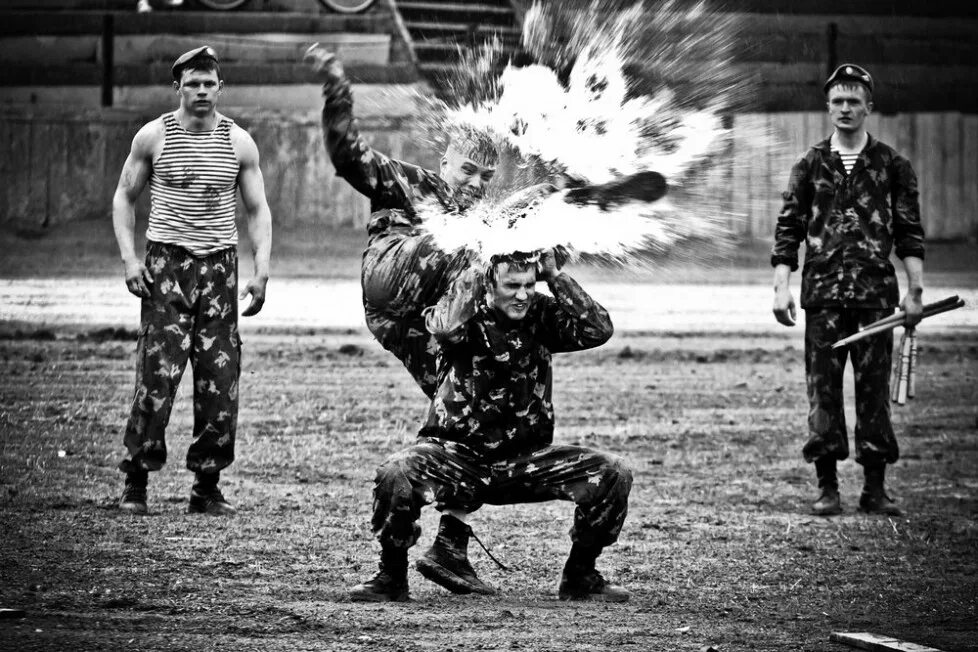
(942, 147)
(59, 168)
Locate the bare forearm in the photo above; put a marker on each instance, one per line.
(124, 225)
(914, 268)
(782, 276)
(260, 233)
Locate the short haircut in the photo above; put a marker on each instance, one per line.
(851, 86)
(201, 63)
(476, 145)
(518, 261)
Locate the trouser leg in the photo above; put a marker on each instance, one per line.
(827, 436)
(598, 483)
(417, 476)
(401, 275)
(216, 360)
(162, 351)
(875, 441)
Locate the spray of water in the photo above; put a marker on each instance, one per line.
(616, 90)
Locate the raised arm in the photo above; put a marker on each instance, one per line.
(384, 181)
(259, 217)
(572, 319)
(448, 319)
(135, 174)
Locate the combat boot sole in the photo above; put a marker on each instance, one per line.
(609, 593)
(446, 578)
(828, 504)
(872, 504)
(365, 594)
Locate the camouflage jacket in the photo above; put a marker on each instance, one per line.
(495, 392)
(849, 223)
(393, 187)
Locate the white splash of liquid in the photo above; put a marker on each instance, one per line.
(590, 131)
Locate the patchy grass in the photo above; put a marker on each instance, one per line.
(719, 548)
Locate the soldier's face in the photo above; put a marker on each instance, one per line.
(198, 90)
(849, 105)
(467, 177)
(513, 290)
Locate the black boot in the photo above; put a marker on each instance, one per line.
(206, 498)
(446, 562)
(581, 580)
(390, 583)
(874, 499)
(828, 502)
(134, 495)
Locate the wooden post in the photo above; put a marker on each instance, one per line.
(832, 41)
(108, 58)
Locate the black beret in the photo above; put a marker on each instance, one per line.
(849, 72)
(203, 52)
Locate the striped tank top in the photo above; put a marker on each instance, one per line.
(192, 189)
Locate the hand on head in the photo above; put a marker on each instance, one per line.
(548, 266)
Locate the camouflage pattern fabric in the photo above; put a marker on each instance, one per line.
(402, 272)
(191, 314)
(496, 394)
(450, 474)
(850, 223)
(875, 442)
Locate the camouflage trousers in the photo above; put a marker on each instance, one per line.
(190, 315)
(875, 442)
(445, 473)
(403, 273)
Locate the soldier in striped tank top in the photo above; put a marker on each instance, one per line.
(195, 161)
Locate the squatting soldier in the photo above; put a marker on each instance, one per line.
(851, 199)
(488, 437)
(195, 159)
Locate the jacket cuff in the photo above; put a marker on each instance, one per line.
(912, 250)
(790, 261)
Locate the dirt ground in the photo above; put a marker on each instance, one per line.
(719, 548)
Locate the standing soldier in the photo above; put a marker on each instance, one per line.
(851, 199)
(195, 159)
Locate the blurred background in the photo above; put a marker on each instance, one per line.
(80, 77)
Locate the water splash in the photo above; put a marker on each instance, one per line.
(616, 90)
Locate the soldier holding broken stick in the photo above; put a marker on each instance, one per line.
(852, 200)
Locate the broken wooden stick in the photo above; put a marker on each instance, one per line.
(891, 322)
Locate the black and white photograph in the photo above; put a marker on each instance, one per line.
(449, 325)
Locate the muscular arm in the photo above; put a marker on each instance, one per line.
(259, 217)
(135, 174)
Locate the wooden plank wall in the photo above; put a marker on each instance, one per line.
(60, 168)
(942, 147)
